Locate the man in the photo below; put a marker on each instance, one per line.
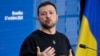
(46, 41)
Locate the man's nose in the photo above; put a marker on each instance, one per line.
(48, 15)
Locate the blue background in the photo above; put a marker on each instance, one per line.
(13, 32)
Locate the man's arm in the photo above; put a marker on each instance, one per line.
(28, 48)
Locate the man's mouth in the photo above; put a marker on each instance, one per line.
(47, 21)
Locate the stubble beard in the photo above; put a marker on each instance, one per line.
(46, 26)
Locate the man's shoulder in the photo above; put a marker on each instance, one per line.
(30, 39)
(33, 35)
(61, 34)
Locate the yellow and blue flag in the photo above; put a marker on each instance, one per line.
(89, 35)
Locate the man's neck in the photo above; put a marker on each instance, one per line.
(49, 31)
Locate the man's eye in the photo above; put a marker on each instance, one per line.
(42, 13)
(51, 12)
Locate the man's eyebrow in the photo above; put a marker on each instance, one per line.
(43, 11)
(49, 10)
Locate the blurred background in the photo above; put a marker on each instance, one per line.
(18, 18)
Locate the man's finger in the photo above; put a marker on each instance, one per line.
(38, 50)
(51, 51)
(70, 52)
(53, 54)
(47, 49)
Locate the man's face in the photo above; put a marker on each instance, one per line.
(47, 16)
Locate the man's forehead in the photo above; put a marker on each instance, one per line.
(47, 7)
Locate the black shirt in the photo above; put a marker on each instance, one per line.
(43, 40)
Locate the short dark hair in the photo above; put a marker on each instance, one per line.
(44, 4)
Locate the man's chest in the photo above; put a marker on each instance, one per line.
(60, 46)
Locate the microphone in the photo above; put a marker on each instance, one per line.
(86, 47)
(83, 46)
